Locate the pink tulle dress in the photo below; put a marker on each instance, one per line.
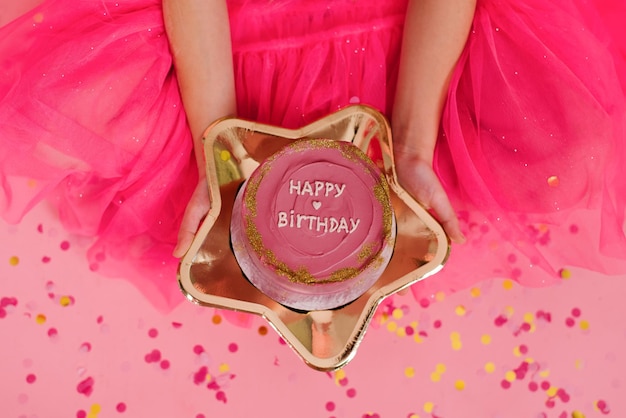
(531, 147)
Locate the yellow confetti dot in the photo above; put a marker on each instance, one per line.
(553, 181)
(417, 338)
(551, 391)
(517, 352)
(507, 284)
(208, 377)
(529, 360)
(224, 368)
(544, 373)
(428, 407)
(460, 310)
(457, 345)
(485, 339)
(455, 336)
(435, 377)
(475, 292)
(509, 376)
(577, 414)
(401, 332)
(14, 261)
(65, 300)
(414, 416)
(509, 311)
(440, 368)
(392, 327)
(409, 372)
(216, 319)
(459, 385)
(439, 296)
(578, 364)
(94, 411)
(40, 319)
(490, 367)
(384, 317)
(339, 376)
(565, 274)
(584, 325)
(225, 155)
(397, 313)
(529, 317)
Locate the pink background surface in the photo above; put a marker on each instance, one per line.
(75, 344)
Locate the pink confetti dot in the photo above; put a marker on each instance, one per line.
(570, 322)
(153, 356)
(505, 384)
(533, 386)
(437, 324)
(573, 229)
(281, 341)
(550, 403)
(500, 320)
(424, 303)
(45, 259)
(198, 349)
(85, 387)
(576, 312)
(176, 324)
(153, 333)
(523, 349)
(165, 364)
(351, 393)
(65, 245)
(232, 347)
(3, 313)
(200, 416)
(81, 414)
(330, 406)
(85, 347)
(99, 319)
(409, 330)
(525, 327)
(545, 385)
(512, 258)
(221, 396)
(603, 407)
(563, 396)
(343, 381)
(200, 375)
(120, 407)
(31, 378)
(52, 332)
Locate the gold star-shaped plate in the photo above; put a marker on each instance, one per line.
(209, 274)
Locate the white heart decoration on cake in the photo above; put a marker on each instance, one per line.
(316, 204)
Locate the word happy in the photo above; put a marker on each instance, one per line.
(316, 188)
(317, 223)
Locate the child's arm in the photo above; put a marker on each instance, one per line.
(199, 35)
(434, 36)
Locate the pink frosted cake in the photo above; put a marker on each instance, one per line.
(313, 227)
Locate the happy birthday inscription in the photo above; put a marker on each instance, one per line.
(313, 222)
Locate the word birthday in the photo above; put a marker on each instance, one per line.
(317, 223)
(316, 188)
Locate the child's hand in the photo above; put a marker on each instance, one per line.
(419, 179)
(197, 208)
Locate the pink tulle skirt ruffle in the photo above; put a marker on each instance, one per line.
(531, 148)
